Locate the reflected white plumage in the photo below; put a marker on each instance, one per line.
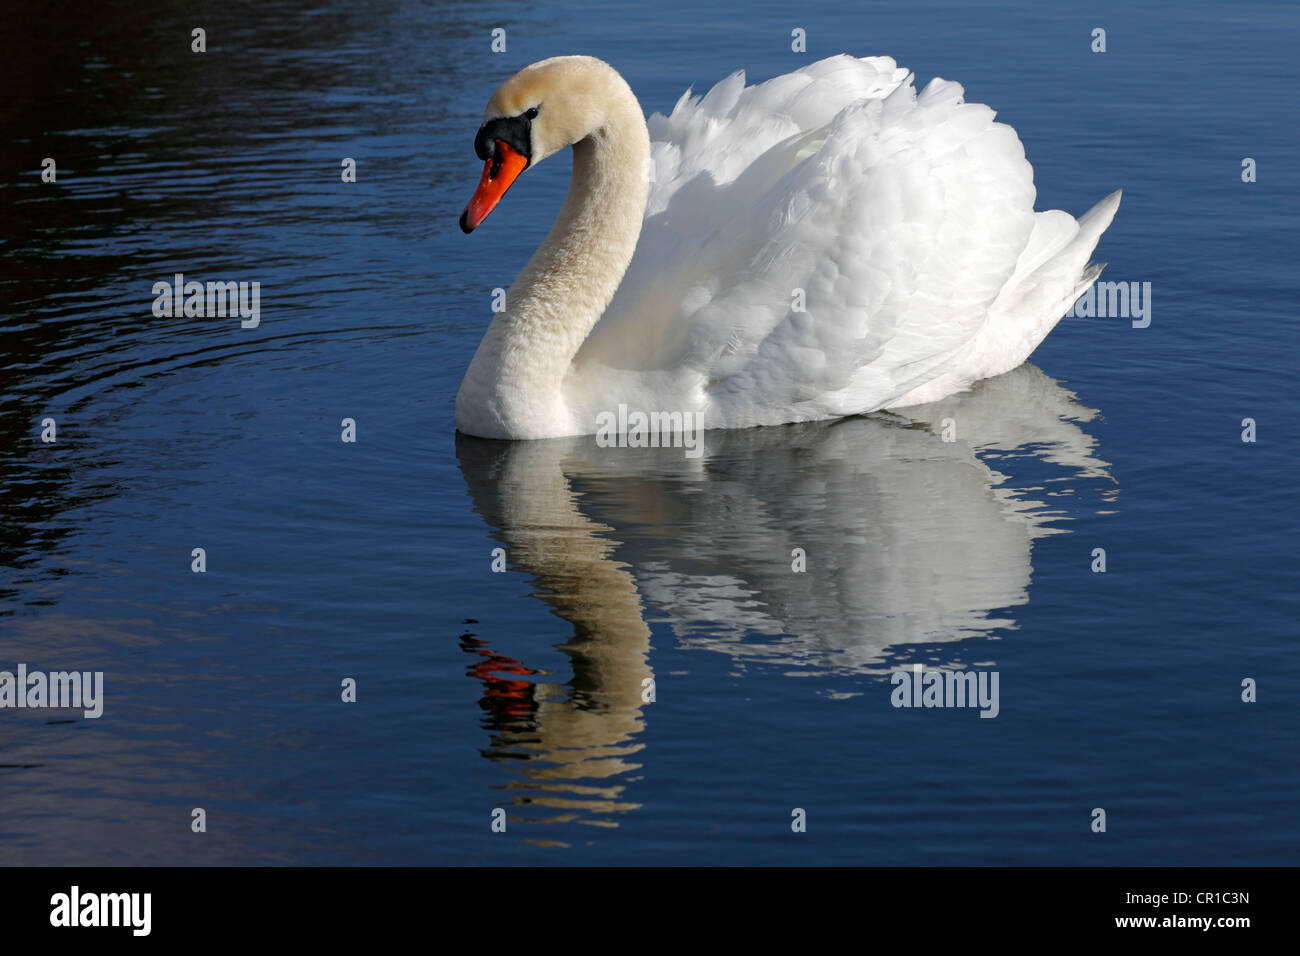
(827, 243)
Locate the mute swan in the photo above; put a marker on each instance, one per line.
(827, 243)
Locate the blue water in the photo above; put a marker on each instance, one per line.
(523, 690)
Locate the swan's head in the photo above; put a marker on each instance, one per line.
(539, 111)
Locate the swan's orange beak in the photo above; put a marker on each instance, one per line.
(498, 173)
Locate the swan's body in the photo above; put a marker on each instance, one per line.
(827, 243)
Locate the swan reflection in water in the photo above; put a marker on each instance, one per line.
(913, 544)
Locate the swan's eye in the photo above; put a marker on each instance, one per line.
(531, 113)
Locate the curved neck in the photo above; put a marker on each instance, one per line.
(513, 388)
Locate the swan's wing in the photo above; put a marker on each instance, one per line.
(723, 135)
(1050, 274)
(899, 215)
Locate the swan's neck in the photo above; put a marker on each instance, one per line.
(514, 385)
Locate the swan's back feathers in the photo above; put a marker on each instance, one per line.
(832, 242)
(722, 133)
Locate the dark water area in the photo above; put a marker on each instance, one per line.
(524, 690)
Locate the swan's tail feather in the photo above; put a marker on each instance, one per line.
(1091, 225)
(1090, 275)
(1102, 213)
(1052, 272)
(1073, 260)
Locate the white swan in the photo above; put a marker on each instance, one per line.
(827, 243)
